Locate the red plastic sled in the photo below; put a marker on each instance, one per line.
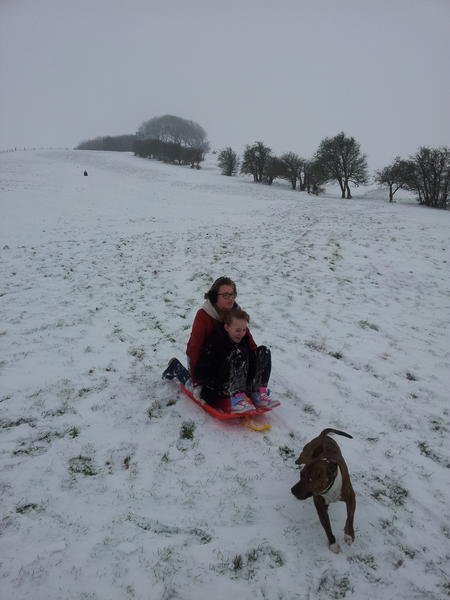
(217, 413)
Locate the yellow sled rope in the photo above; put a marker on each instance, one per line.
(255, 425)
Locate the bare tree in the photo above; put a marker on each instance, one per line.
(274, 167)
(228, 161)
(255, 159)
(395, 176)
(341, 160)
(292, 167)
(430, 176)
(313, 176)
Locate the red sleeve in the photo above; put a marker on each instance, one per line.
(202, 326)
(251, 342)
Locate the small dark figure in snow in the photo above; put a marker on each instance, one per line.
(85, 173)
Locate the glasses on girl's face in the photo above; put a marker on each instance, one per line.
(228, 295)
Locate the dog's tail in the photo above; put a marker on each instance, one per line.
(327, 431)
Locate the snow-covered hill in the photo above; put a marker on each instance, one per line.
(100, 277)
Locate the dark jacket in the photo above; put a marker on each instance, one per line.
(206, 321)
(211, 368)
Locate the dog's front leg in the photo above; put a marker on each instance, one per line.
(349, 532)
(322, 511)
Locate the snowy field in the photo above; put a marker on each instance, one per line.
(114, 487)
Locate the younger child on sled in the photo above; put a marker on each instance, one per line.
(232, 372)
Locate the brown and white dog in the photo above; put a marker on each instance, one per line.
(325, 477)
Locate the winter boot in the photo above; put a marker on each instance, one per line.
(175, 370)
(262, 399)
(240, 403)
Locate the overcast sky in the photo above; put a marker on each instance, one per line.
(287, 72)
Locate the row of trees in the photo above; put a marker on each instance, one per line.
(117, 143)
(340, 159)
(426, 173)
(169, 152)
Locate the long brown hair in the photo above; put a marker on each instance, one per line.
(213, 291)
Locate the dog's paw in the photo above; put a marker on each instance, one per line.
(335, 548)
(348, 539)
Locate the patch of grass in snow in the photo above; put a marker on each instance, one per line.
(425, 450)
(366, 325)
(155, 411)
(73, 432)
(159, 528)
(317, 345)
(117, 331)
(409, 552)
(368, 565)
(83, 391)
(137, 351)
(438, 425)
(286, 453)
(29, 507)
(187, 430)
(320, 346)
(59, 412)
(82, 465)
(246, 566)
(334, 585)
(16, 422)
(39, 445)
(390, 492)
(310, 410)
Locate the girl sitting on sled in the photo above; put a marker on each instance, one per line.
(223, 357)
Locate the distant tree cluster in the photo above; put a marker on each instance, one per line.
(168, 138)
(176, 130)
(169, 152)
(173, 140)
(118, 143)
(426, 173)
(337, 159)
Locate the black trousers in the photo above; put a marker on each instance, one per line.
(240, 372)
